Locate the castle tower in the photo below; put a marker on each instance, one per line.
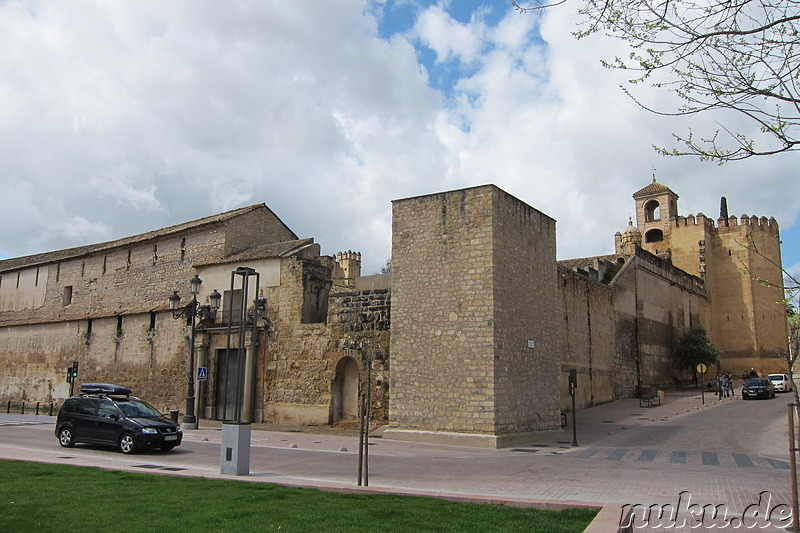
(474, 347)
(347, 268)
(747, 320)
(656, 211)
(627, 241)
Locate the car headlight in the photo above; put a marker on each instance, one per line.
(149, 430)
(180, 429)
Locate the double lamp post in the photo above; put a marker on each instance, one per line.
(191, 312)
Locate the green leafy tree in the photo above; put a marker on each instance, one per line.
(739, 56)
(694, 348)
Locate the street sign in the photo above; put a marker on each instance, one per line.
(202, 373)
(701, 368)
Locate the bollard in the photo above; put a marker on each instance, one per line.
(173, 415)
(37, 408)
(8, 409)
(23, 408)
(51, 408)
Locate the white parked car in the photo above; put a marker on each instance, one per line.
(780, 382)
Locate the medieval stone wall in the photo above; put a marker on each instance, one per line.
(302, 358)
(442, 349)
(525, 313)
(749, 322)
(474, 329)
(106, 309)
(105, 323)
(745, 320)
(654, 304)
(587, 339)
(255, 228)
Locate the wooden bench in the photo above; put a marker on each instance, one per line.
(649, 397)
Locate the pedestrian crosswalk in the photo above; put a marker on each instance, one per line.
(678, 457)
(23, 422)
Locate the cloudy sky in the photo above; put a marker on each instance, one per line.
(121, 117)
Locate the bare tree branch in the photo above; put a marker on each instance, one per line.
(740, 56)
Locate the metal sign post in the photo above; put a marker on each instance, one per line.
(701, 369)
(573, 383)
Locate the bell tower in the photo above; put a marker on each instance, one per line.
(656, 215)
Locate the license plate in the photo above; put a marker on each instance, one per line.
(171, 437)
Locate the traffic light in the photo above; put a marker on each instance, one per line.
(573, 381)
(74, 371)
(69, 374)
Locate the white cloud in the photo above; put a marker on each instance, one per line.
(118, 118)
(449, 38)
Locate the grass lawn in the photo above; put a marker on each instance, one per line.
(37, 497)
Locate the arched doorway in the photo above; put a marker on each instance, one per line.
(344, 401)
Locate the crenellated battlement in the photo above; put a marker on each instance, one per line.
(757, 223)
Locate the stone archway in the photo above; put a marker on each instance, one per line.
(344, 400)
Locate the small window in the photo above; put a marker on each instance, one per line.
(654, 235)
(119, 325)
(152, 321)
(183, 249)
(67, 297)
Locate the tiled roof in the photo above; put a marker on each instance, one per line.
(265, 251)
(653, 188)
(61, 255)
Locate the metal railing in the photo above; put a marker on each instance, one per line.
(37, 410)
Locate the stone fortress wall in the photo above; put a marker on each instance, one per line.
(740, 260)
(469, 339)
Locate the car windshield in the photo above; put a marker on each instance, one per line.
(138, 409)
(776, 377)
(759, 382)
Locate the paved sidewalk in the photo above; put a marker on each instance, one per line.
(547, 473)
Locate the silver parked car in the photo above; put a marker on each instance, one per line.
(780, 382)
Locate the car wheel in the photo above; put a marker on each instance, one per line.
(65, 438)
(167, 448)
(127, 444)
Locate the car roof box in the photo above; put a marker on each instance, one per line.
(108, 389)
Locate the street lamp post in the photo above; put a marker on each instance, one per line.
(191, 312)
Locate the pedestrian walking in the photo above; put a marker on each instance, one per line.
(730, 385)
